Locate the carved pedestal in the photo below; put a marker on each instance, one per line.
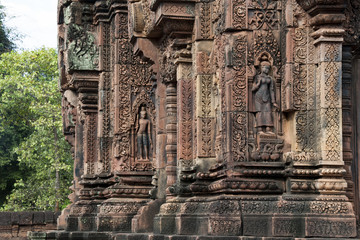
(269, 148)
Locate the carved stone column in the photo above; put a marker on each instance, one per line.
(83, 212)
(105, 94)
(171, 132)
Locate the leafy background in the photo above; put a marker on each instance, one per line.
(35, 159)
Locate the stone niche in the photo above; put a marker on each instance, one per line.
(211, 119)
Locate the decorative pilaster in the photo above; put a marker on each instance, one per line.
(104, 101)
(185, 112)
(327, 101)
(204, 107)
(171, 132)
(82, 212)
(87, 87)
(329, 172)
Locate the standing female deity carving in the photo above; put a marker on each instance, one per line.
(143, 136)
(264, 99)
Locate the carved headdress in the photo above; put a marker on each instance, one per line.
(264, 60)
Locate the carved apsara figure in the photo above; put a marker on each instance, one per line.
(264, 99)
(143, 136)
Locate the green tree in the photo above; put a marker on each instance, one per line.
(7, 35)
(30, 110)
(11, 131)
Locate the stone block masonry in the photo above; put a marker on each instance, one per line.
(16, 225)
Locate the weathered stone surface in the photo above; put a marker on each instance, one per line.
(236, 117)
(16, 225)
(5, 218)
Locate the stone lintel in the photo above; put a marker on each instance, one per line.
(174, 11)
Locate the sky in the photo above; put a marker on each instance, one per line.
(35, 20)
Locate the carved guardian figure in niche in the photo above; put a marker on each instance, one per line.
(264, 98)
(143, 136)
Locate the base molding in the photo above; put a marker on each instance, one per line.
(148, 236)
(217, 217)
(265, 216)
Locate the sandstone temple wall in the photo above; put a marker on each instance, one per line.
(211, 118)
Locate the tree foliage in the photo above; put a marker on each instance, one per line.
(30, 119)
(11, 131)
(7, 35)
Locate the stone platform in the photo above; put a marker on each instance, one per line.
(147, 236)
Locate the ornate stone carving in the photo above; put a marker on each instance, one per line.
(224, 207)
(330, 227)
(239, 93)
(267, 146)
(255, 207)
(230, 115)
(239, 13)
(264, 99)
(204, 25)
(351, 24)
(171, 129)
(332, 97)
(264, 14)
(82, 51)
(291, 207)
(80, 209)
(234, 185)
(239, 138)
(143, 136)
(265, 41)
(206, 121)
(133, 90)
(69, 112)
(324, 185)
(90, 153)
(186, 115)
(286, 227)
(225, 227)
(114, 209)
(330, 207)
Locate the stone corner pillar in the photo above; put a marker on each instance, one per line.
(330, 183)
